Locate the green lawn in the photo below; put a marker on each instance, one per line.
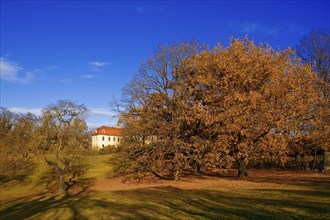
(287, 201)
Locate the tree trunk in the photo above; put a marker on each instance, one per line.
(198, 168)
(314, 160)
(241, 169)
(61, 186)
(161, 177)
(177, 175)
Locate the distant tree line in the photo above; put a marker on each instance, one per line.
(17, 135)
(192, 110)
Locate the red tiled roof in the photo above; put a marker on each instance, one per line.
(105, 130)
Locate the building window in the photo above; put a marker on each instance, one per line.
(102, 145)
(103, 131)
(102, 138)
(109, 139)
(114, 139)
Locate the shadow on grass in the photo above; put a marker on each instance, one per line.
(173, 203)
(310, 180)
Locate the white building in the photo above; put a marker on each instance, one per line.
(106, 136)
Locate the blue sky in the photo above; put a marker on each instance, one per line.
(88, 50)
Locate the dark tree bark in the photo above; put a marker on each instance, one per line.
(242, 171)
(62, 185)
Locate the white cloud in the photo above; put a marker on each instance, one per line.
(149, 9)
(13, 72)
(65, 81)
(146, 9)
(88, 76)
(102, 112)
(10, 71)
(98, 116)
(93, 125)
(249, 27)
(23, 110)
(140, 9)
(101, 116)
(38, 111)
(98, 63)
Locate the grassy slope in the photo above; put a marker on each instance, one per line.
(168, 202)
(98, 171)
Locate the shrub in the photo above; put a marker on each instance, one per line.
(110, 149)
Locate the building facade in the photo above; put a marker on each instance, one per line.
(107, 136)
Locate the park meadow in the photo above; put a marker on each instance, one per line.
(264, 194)
(236, 132)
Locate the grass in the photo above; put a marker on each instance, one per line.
(99, 166)
(173, 203)
(291, 198)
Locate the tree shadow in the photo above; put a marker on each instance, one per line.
(173, 203)
(296, 178)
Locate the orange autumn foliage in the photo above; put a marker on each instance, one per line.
(194, 110)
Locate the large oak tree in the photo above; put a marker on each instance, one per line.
(253, 99)
(192, 110)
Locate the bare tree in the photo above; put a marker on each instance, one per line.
(152, 113)
(314, 49)
(7, 121)
(63, 132)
